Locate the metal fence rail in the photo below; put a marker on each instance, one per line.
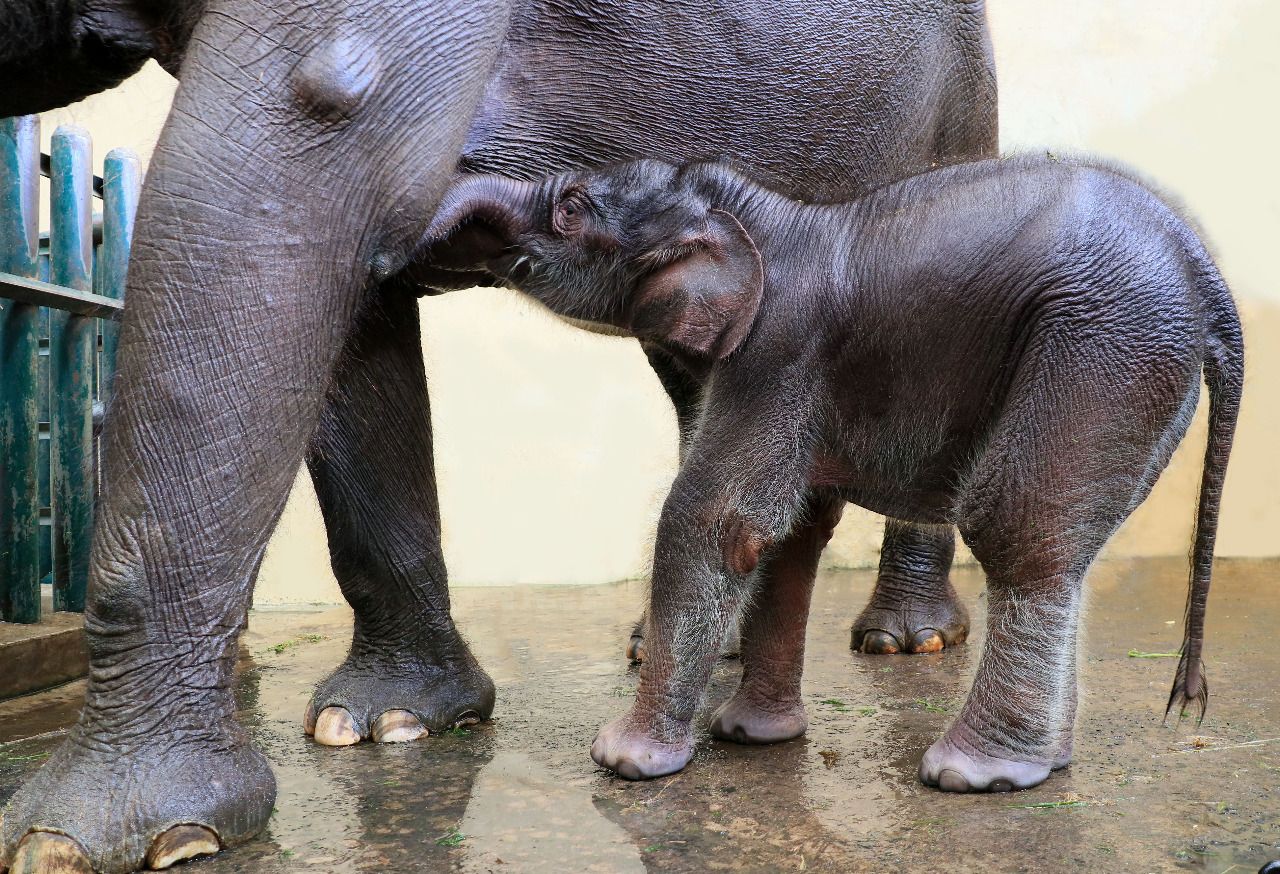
(59, 297)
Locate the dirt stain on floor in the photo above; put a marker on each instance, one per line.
(521, 794)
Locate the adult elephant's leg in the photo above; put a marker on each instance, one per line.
(408, 670)
(685, 391)
(914, 608)
(218, 390)
(298, 167)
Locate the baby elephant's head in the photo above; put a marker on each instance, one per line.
(642, 247)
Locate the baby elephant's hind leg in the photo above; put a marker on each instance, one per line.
(1016, 725)
(1070, 460)
(767, 707)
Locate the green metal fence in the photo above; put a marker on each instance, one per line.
(60, 294)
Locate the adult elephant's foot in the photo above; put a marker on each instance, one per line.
(731, 649)
(747, 718)
(914, 608)
(956, 764)
(910, 624)
(640, 747)
(397, 697)
(97, 806)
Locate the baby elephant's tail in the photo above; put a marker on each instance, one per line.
(1224, 378)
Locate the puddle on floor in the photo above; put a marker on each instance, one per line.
(521, 794)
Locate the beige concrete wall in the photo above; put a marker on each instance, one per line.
(554, 447)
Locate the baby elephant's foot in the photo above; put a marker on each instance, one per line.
(395, 700)
(634, 747)
(954, 765)
(747, 718)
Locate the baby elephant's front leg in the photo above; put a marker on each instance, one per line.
(701, 571)
(767, 707)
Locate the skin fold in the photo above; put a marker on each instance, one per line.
(269, 325)
(1013, 347)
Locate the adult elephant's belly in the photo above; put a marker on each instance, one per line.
(822, 100)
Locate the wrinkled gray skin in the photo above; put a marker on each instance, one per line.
(1010, 346)
(272, 319)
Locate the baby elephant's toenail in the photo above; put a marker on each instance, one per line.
(49, 853)
(953, 781)
(628, 769)
(180, 843)
(1000, 785)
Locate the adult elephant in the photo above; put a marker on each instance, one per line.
(272, 317)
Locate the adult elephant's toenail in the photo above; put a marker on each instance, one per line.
(877, 642)
(1000, 785)
(397, 726)
(309, 720)
(49, 853)
(953, 781)
(927, 640)
(180, 843)
(335, 727)
(467, 717)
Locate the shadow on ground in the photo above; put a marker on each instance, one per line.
(520, 793)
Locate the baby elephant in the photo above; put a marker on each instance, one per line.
(1012, 346)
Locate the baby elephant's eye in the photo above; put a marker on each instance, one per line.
(568, 216)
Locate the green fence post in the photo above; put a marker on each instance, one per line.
(71, 354)
(121, 181)
(19, 365)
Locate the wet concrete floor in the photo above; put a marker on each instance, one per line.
(521, 794)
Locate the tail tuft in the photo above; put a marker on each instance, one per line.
(1190, 687)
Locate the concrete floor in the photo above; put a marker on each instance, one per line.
(520, 793)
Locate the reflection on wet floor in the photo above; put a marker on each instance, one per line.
(520, 793)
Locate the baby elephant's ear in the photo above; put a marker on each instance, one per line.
(705, 302)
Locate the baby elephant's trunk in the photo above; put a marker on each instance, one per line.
(1224, 378)
(504, 207)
